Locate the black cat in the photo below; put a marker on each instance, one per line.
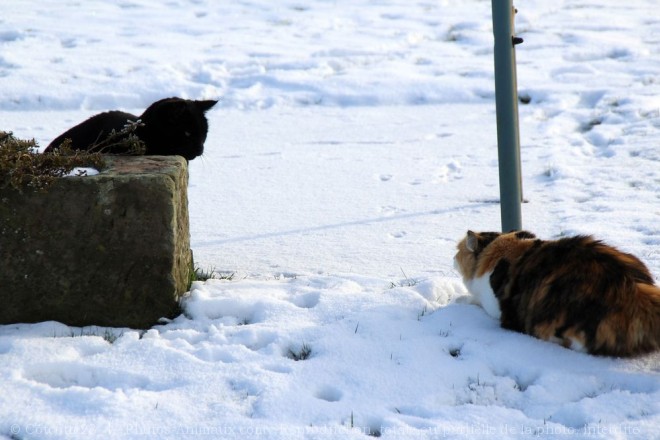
(171, 126)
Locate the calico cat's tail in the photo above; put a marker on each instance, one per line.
(635, 328)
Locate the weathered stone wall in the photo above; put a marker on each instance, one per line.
(110, 250)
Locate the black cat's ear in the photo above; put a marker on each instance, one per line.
(206, 105)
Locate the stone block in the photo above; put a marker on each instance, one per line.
(109, 250)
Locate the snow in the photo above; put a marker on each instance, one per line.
(353, 145)
(82, 171)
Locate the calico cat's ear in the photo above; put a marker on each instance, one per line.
(523, 235)
(475, 242)
(472, 241)
(206, 105)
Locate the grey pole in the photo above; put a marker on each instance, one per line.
(506, 97)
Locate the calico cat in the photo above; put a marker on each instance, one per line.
(171, 126)
(575, 291)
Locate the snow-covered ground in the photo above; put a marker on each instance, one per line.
(353, 146)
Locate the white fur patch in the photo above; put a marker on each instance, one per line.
(577, 345)
(484, 295)
(556, 340)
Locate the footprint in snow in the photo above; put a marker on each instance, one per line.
(69, 43)
(449, 172)
(306, 300)
(11, 35)
(253, 339)
(329, 394)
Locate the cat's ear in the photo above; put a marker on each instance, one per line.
(206, 105)
(524, 235)
(472, 241)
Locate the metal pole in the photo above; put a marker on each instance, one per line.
(506, 97)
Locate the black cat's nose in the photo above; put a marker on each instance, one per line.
(193, 153)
